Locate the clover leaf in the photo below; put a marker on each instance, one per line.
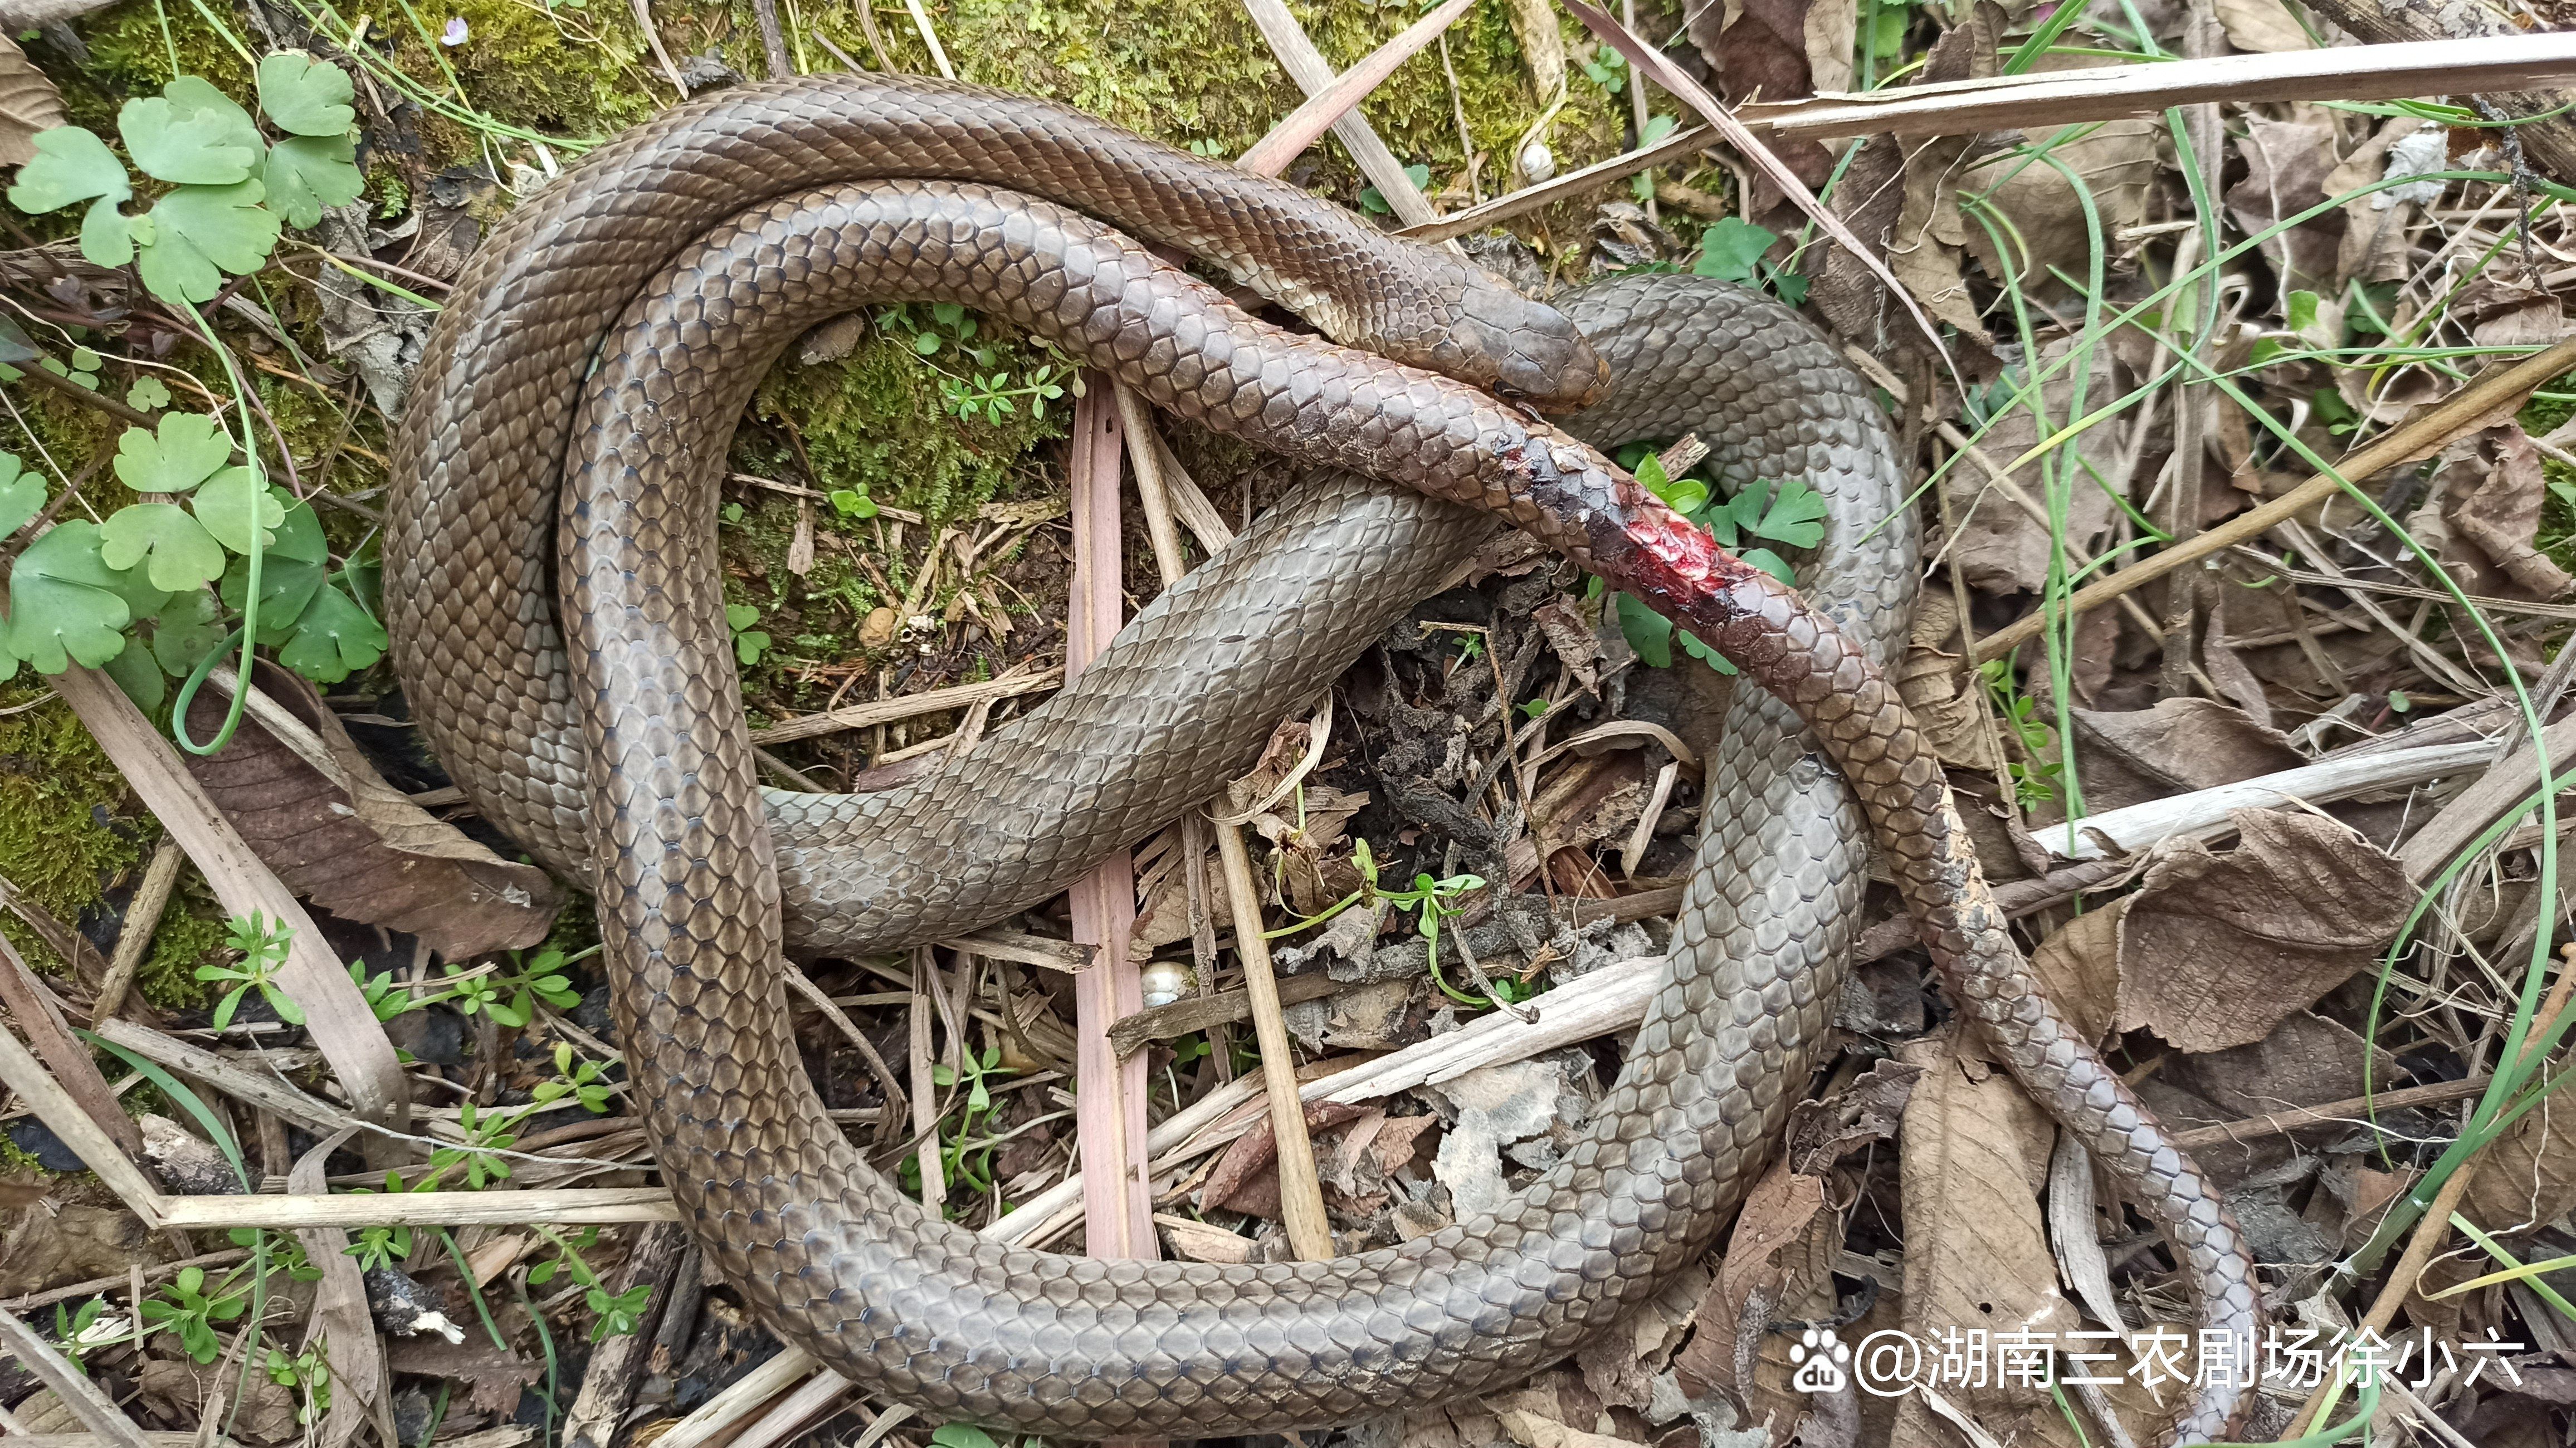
(182, 452)
(194, 230)
(134, 672)
(22, 494)
(233, 503)
(148, 394)
(65, 603)
(189, 627)
(306, 96)
(72, 165)
(308, 173)
(181, 553)
(1730, 247)
(191, 134)
(333, 639)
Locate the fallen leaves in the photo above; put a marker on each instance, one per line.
(2216, 948)
(28, 104)
(337, 834)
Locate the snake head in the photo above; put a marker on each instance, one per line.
(1519, 349)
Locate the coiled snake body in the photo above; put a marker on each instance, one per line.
(683, 257)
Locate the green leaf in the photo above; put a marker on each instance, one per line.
(189, 627)
(1795, 516)
(190, 135)
(182, 451)
(2301, 311)
(306, 96)
(227, 505)
(1771, 563)
(181, 553)
(961, 1435)
(148, 394)
(135, 673)
(107, 234)
(307, 173)
(851, 504)
(1692, 646)
(289, 575)
(749, 646)
(1649, 632)
(1729, 249)
(195, 230)
(1657, 127)
(64, 602)
(71, 165)
(740, 616)
(22, 494)
(334, 639)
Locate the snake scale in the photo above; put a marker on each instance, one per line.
(573, 412)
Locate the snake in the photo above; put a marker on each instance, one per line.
(556, 610)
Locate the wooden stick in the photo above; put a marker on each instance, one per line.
(1152, 495)
(142, 921)
(1314, 75)
(2205, 811)
(338, 1017)
(2336, 1113)
(42, 1019)
(1301, 1188)
(1325, 108)
(2342, 73)
(2421, 435)
(89, 1141)
(1109, 1095)
(86, 1399)
(909, 706)
(568, 1207)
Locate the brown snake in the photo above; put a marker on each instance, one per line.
(681, 259)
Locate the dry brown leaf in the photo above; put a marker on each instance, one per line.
(1869, 198)
(2117, 162)
(2374, 247)
(1924, 252)
(47, 1246)
(2304, 1060)
(2131, 756)
(1760, 50)
(1576, 642)
(181, 1391)
(495, 1374)
(355, 845)
(1930, 682)
(1868, 1110)
(2262, 26)
(2528, 1175)
(1542, 46)
(2080, 965)
(2492, 491)
(1774, 1219)
(2217, 949)
(28, 104)
(1975, 1154)
(2002, 549)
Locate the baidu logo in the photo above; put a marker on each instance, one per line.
(1820, 1357)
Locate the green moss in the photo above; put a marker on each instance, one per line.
(1187, 71)
(60, 839)
(168, 976)
(574, 73)
(130, 49)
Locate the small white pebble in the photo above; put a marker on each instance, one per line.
(1166, 981)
